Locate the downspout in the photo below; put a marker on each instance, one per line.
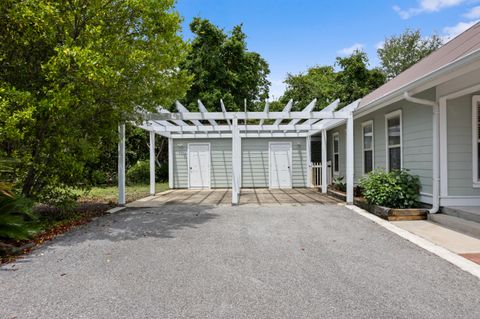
(435, 149)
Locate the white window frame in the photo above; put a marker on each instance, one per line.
(397, 113)
(475, 141)
(335, 135)
(368, 123)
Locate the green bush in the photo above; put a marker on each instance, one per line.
(139, 173)
(162, 173)
(338, 184)
(396, 189)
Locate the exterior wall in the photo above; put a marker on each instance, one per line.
(416, 140)
(220, 160)
(459, 147)
(255, 167)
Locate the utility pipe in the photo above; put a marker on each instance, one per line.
(435, 149)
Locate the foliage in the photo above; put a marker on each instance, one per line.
(224, 68)
(139, 173)
(109, 194)
(400, 52)
(395, 189)
(339, 184)
(352, 81)
(70, 71)
(16, 214)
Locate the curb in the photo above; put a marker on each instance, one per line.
(115, 209)
(459, 261)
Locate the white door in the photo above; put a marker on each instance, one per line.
(280, 165)
(199, 165)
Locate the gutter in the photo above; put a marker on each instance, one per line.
(435, 148)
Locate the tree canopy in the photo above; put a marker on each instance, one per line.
(223, 68)
(399, 52)
(350, 81)
(70, 71)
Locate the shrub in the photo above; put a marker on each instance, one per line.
(339, 184)
(139, 173)
(162, 173)
(396, 189)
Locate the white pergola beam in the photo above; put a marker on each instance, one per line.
(176, 121)
(286, 111)
(242, 135)
(203, 109)
(266, 109)
(236, 162)
(309, 108)
(183, 109)
(224, 111)
(329, 108)
(121, 164)
(170, 163)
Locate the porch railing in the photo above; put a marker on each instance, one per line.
(316, 173)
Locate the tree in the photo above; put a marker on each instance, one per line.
(352, 81)
(70, 71)
(223, 68)
(400, 52)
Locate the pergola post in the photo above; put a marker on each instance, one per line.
(350, 159)
(324, 161)
(309, 160)
(152, 163)
(170, 163)
(121, 164)
(236, 161)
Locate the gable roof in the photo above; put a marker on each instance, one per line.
(457, 48)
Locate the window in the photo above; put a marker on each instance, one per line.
(367, 133)
(336, 139)
(393, 122)
(476, 140)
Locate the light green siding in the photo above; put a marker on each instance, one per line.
(459, 145)
(255, 169)
(416, 136)
(220, 160)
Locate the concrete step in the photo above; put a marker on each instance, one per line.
(467, 227)
(468, 213)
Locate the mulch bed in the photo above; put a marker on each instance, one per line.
(61, 223)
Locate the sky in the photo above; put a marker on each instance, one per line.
(295, 35)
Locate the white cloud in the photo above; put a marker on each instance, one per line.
(351, 49)
(426, 6)
(474, 13)
(379, 45)
(277, 88)
(451, 32)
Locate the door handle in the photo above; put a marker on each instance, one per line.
(190, 167)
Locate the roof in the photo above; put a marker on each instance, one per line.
(457, 48)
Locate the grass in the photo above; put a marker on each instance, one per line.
(109, 194)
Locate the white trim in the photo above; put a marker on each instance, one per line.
(455, 259)
(308, 144)
(475, 140)
(387, 146)
(324, 161)
(442, 102)
(170, 163)
(364, 124)
(209, 165)
(425, 198)
(121, 164)
(335, 135)
(290, 163)
(152, 163)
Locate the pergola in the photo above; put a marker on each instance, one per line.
(238, 125)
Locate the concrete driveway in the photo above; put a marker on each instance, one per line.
(199, 261)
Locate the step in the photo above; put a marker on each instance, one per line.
(464, 226)
(462, 212)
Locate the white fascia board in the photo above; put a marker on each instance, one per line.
(243, 135)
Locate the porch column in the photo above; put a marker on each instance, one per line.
(152, 163)
(121, 164)
(350, 159)
(236, 162)
(170, 163)
(309, 160)
(324, 161)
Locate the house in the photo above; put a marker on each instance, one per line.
(426, 120)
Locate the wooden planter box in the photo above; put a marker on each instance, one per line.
(391, 214)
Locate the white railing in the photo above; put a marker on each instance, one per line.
(316, 173)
